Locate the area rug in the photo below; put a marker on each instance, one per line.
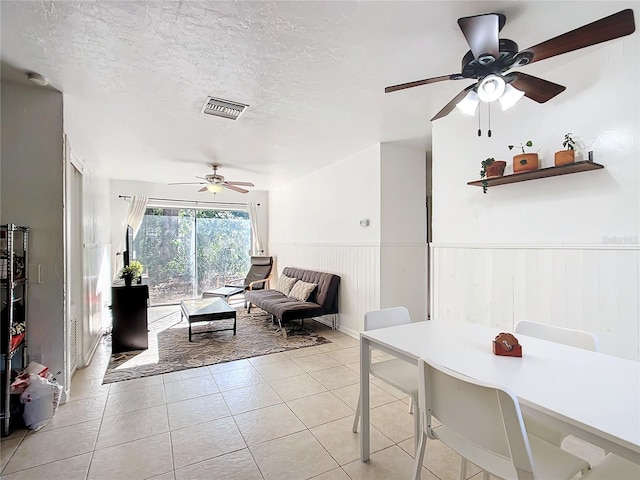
(170, 350)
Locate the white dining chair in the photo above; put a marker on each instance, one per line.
(483, 424)
(613, 467)
(566, 336)
(395, 372)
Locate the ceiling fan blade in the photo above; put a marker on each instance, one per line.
(536, 88)
(203, 189)
(402, 86)
(236, 189)
(448, 108)
(607, 28)
(244, 184)
(481, 32)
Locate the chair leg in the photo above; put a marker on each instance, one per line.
(463, 469)
(417, 464)
(416, 427)
(356, 420)
(249, 308)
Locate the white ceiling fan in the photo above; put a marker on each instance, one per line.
(214, 183)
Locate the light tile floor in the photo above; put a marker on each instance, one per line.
(282, 416)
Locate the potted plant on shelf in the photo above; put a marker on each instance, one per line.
(524, 162)
(491, 168)
(133, 271)
(564, 157)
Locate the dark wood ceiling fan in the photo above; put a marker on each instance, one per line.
(494, 56)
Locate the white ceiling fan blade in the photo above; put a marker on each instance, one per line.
(243, 184)
(203, 189)
(236, 189)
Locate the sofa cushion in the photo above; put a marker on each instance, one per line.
(302, 290)
(285, 284)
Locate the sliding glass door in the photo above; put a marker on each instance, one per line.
(187, 251)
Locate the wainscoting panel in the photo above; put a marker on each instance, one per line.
(594, 288)
(357, 265)
(403, 279)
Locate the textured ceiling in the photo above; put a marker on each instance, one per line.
(136, 74)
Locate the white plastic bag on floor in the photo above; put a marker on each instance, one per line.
(41, 399)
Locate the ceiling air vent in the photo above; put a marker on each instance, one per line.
(224, 108)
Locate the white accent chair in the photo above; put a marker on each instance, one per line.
(613, 468)
(483, 423)
(566, 336)
(395, 372)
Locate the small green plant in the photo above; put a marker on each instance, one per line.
(483, 172)
(134, 270)
(569, 143)
(528, 144)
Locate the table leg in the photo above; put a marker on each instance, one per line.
(364, 399)
(188, 321)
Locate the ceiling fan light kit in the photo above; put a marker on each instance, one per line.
(491, 88)
(510, 97)
(469, 104)
(490, 58)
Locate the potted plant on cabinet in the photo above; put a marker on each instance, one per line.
(491, 168)
(133, 271)
(564, 157)
(523, 162)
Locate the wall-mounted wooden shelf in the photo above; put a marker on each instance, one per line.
(576, 167)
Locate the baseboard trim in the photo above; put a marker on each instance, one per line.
(564, 246)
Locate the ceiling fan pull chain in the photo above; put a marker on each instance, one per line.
(479, 130)
(489, 112)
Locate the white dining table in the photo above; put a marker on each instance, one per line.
(591, 395)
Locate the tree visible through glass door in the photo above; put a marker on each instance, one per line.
(186, 251)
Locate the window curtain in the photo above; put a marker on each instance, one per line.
(135, 215)
(256, 244)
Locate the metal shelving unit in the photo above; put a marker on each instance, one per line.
(14, 283)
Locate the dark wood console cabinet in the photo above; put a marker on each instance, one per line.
(129, 314)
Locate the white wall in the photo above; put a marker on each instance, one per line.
(315, 224)
(96, 238)
(403, 196)
(32, 195)
(96, 230)
(327, 205)
(573, 214)
(593, 289)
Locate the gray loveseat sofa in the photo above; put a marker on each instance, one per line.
(323, 300)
